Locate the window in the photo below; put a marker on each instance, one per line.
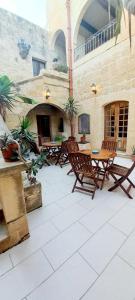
(84, 124)
(38, 65)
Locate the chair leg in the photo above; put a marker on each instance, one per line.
(118, 183)
(74, 186)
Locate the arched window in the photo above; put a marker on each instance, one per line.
(59, 48)
(84, 124)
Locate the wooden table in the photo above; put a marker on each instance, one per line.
(50, 145)
(52, 149)
(103, 155)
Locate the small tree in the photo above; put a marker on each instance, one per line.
(71, 109)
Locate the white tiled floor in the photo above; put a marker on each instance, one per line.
(79, 249)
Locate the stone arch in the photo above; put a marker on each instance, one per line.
(46, 120)
(58, 46)
(93, 16)
(82, 12)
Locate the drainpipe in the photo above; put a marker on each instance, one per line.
(70, 53)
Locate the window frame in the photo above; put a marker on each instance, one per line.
(80, 130)
(38, 60)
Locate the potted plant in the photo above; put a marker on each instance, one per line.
(9, 148)
(71, 109)
(133, 153)
(25, 137)
(32, 187)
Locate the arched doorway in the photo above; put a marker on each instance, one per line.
(59, 48)
(116, 123)
(47, 122)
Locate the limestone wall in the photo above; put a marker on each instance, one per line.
(58, 85)
(12, 29)
(113, 72)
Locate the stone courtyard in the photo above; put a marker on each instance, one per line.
(78, 248)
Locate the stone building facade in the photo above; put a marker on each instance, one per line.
(17, 36)
(110, 67)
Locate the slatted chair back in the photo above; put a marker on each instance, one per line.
(72, 147)
(79, 161)
(109, 145)
(72, 139)
(64, 147)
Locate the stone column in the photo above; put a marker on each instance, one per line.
(12, 204)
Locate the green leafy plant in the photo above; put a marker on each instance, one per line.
(25, 137)
(59, 138)
(5, 140)
(9, 95)
(133, 150)
(34, 167)
(61, 68)
(71, 109)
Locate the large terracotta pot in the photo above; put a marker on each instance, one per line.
(10, 153)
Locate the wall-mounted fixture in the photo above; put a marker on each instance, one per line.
(94, 88)
(24, 48)
(47, 93)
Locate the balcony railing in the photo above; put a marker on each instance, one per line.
(96, 40)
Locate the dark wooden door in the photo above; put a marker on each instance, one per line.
(43, 126)
(116, 123)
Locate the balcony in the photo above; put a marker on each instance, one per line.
(96, 40)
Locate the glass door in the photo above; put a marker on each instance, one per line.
(116, 123)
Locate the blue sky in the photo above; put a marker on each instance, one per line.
(32, 10)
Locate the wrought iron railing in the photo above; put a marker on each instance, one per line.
(96, 40)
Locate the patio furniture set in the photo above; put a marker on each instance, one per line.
(91, 168)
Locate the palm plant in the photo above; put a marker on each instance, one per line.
(71, 109)
(120, 6)
(8, 95)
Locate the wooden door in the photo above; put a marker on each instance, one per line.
(116, 123)
(43, 126)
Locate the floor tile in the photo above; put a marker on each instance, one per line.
(97, 217)
(69, 200)
(125, 219)
(5, 263)
(128, 250)
(68, 283)
(38, 238)
(42, 215)
(63, 246)
(100, 249)
(25, 277)
(69, 216)
(116, 283)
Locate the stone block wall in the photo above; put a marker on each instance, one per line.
(12, 29)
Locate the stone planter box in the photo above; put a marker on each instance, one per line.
(33, 196)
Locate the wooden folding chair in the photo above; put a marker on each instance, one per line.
(111, 146)
(123, 173)
(72, 147)
(83, 169)
(63, 155)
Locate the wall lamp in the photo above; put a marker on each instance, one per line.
(47, 93)
(94, 88)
